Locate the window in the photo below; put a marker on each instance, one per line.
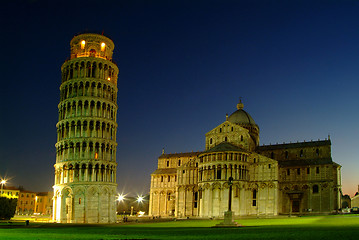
(219, 173)
(317, 170)
(272, 155)
(286, 154)
(161, 178)
(269, 166)
(301, 153)
(298, 171)
(232, 129)
(179, 162)
(220, 130)
(225, 139)
(79, 200)
(169, 178)
(315, 189)
(241, 138)
(210, 141)
(195, 199)
(254, 197)
(254, 160)
(308, 170)
(168, 163)
(317, 152)
(288, 172)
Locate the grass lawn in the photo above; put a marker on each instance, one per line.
(337, 227)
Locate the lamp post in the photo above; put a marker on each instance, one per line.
(139, 201)
(228, 215)
(230, 183)
(3, 181)
(120, 199)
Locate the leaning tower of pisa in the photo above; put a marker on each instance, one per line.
(85, 169)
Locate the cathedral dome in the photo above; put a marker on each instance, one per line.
(241, 117)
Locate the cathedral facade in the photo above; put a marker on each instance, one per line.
(292, 178)
(85, 169)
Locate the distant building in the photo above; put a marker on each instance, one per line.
(10, 192)
(289, 178)
(355, 199)
(85, 170)
(26, 202)
(346, 201)
(43, 203)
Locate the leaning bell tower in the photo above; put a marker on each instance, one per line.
(85, 169)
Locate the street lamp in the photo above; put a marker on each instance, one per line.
(120, 197)
(3, 181)
(139, 199)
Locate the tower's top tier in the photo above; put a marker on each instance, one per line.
(91, 45)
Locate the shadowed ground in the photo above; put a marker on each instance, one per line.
(319, 227)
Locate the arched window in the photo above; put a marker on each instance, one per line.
(301, 153)
(210, 141)
(317, 152)
(219, 175)
(254, 197)
(286, 154)
(225, 139)
(272, 155)
(315, 189)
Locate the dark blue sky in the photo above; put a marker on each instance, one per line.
(183, 66)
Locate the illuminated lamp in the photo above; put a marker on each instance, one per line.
(83, 42)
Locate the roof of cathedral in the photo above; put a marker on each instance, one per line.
(240, 116)
(165, 171)
(294, 145)
(186, 154)
(225, 146)
(303, 162)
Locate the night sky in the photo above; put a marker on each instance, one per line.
(183, 66)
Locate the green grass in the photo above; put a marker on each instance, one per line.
(317, 227)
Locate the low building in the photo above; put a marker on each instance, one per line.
(43, 203)
(346, 201)
(10, 192)
(355, 199)
(26, 203)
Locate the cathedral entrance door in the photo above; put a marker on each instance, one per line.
(295, 206)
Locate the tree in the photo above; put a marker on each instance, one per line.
(7, 207)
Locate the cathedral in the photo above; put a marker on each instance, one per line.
(268, 180)
(85, 169)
